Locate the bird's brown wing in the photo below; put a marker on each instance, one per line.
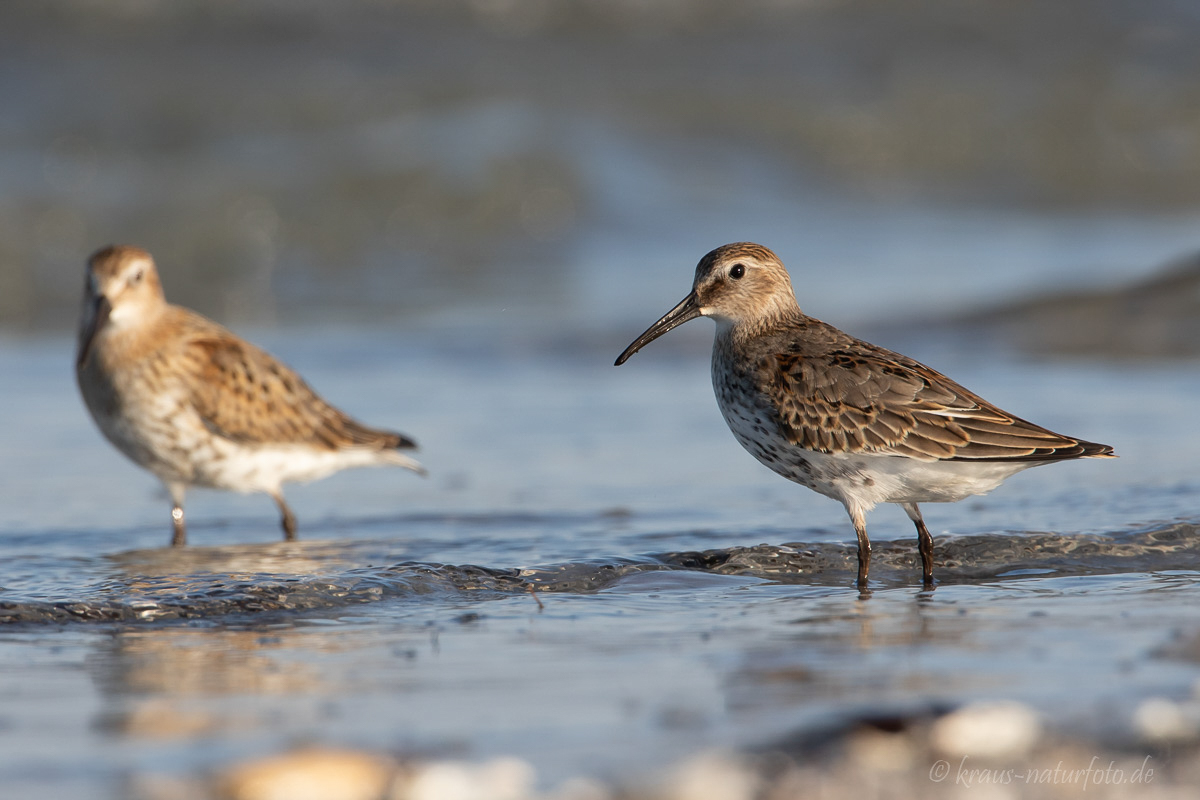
(244, 394)
(863, 399)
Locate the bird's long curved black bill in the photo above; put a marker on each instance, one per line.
(688, 309)
(96, 319)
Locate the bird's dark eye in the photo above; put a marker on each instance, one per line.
(137, 277)
(737, 271)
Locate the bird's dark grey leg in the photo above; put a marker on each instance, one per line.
(924, 542)
(864, 547)
(179, 537)
(287, 520)
(179, 534)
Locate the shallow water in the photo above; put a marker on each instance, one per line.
(683, 597)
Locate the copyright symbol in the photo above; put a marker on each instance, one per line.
(939, 771)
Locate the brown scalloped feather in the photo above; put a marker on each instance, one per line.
(246, 395)
(837, 394)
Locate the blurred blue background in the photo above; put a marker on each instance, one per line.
(565, 163)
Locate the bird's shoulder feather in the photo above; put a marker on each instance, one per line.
(245, 394)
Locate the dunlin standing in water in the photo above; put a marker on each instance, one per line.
(845, 418)
(197, 406)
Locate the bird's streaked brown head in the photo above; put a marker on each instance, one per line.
(122, 287)
(737, 284)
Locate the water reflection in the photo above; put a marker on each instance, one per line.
(182, 663)
(196, 684)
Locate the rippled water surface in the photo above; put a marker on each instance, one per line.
(594, 577)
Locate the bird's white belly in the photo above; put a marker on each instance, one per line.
(868, 480)
(263, 468)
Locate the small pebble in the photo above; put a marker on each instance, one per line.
(999, 730)
(498, 779)
(881, 752)
(311, 774)
(713, 776)
(1161, 720)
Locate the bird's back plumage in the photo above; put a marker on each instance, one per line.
(833, 393)
(244, 394)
